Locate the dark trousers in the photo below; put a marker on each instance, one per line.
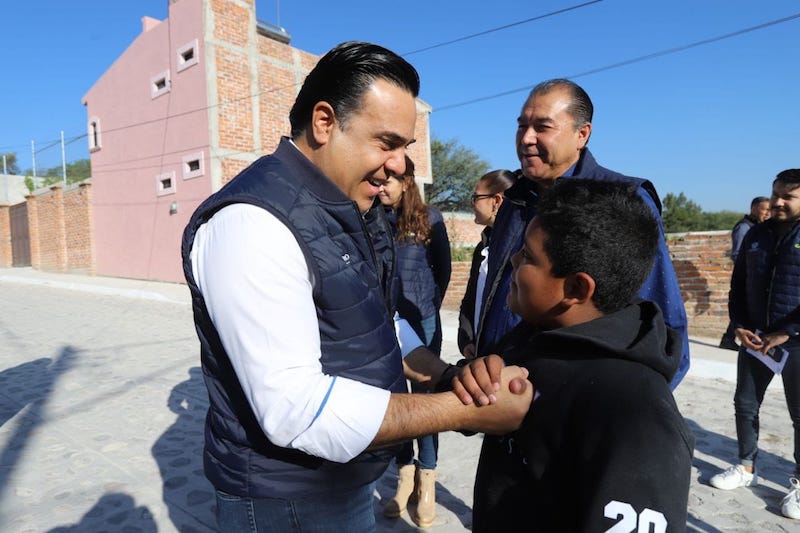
(752, 380)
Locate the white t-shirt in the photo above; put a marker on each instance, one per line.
(483, 271)
(258, 291)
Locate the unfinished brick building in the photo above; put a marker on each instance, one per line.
(192, 101)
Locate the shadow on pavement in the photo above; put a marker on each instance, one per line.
(27, 385)
(772, 468)
(179, 453)
(113, 512)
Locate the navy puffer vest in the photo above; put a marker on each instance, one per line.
(355, 325)
(771, 288)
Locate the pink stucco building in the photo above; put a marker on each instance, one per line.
(192, 101)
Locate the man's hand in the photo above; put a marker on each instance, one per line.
(513, 399)
(748, 339)
(479, 380)
(763, 343)
(771, 340)
(423, 367)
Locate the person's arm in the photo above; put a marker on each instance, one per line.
(439, 249)
(413, 415)
(737, 295)
(662, 287)
(466, 316)
(737, 236)
(257, 287)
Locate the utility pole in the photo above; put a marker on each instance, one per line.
(63, 160)
(33, 159)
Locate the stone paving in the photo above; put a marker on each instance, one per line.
(102, 407)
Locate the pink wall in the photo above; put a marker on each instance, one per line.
(135, 234)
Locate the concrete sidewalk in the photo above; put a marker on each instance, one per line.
(102, 407)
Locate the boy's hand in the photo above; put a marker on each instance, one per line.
(514, 398)
(469, 351)
(480, 380)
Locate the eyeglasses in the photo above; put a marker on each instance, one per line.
(476, 197)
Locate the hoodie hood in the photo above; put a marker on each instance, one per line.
(635, 333)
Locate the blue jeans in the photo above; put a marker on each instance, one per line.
(752, 380)
(429, 330)
(331, 512)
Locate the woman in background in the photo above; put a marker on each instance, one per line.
(423, 273)
(486, 201)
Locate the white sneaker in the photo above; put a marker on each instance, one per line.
(790, 506)
(733, 478)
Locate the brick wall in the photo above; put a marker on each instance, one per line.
(703, 268)
(704, 272)
(6, 258)
(60, 227)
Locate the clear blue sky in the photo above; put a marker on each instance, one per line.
(715, 121)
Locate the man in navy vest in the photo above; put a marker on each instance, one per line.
(552, 132)
(764, 305)
(290, 267)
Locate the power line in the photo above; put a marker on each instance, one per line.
(474, 100)
(630, 61)
(234, 100)
(486, 32)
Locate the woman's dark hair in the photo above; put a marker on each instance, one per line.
(413, 224)
(498, 181)
(341, 77)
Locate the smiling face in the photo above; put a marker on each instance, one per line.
(361, 154)
(548, 142)
(535, 294)
(785, 202)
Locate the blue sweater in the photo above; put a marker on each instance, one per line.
(508, 235)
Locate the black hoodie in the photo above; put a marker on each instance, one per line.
(603, 443)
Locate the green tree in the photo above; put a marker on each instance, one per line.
(12, 167)
(456, 169)
(77, 170)
(681, 214)
(720, 220)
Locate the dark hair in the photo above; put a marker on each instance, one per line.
(413, 223)
(498, 181)
(580, 107)
(602, 228)
(789, 177)
(341, 77)
(757, 200)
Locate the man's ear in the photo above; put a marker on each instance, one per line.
(584, 132)
(578, 288)
(323, 120)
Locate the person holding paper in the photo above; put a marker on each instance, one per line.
(764, 305)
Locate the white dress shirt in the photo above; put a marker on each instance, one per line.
(258, 291)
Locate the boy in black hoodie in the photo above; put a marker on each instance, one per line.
(603, 447)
